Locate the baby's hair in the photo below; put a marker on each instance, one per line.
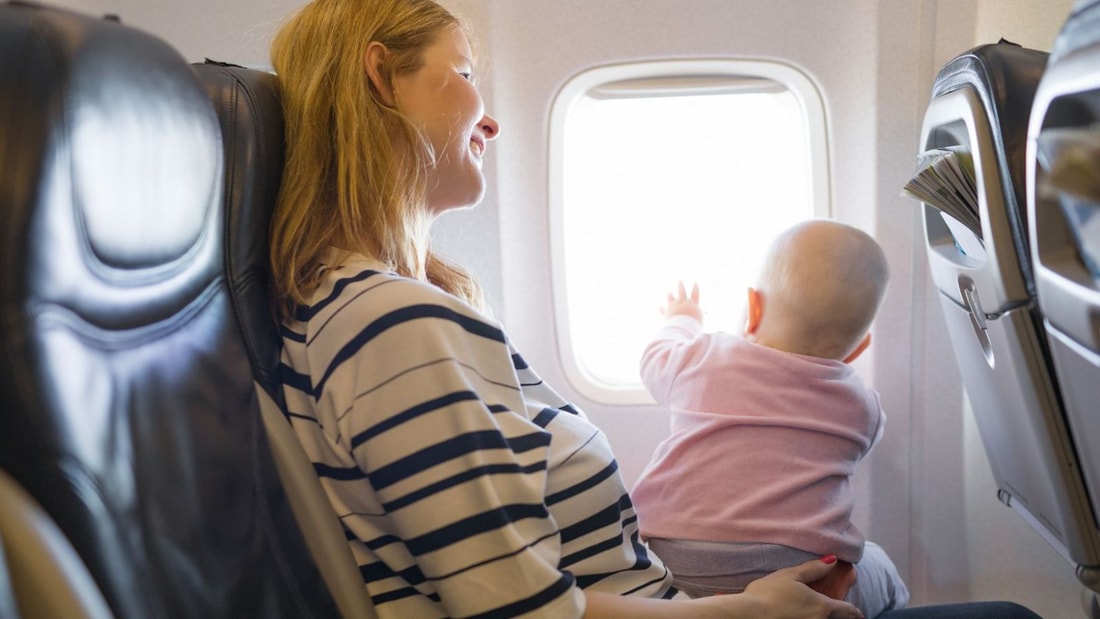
(825, 281)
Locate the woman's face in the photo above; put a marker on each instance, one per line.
(440, 98)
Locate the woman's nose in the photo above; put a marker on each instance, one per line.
(490, 127)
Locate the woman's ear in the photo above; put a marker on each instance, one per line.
(372, 66)
(756, 311)
(863, 344)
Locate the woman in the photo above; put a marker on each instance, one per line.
(466, 486)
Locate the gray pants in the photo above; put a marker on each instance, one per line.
(707, 568)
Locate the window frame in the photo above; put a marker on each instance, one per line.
(671, 76)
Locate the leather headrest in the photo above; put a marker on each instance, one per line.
(247, 102)
(115, 210)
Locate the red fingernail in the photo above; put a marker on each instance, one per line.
(828, 559)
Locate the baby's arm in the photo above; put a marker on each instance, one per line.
(672, 346)
(681, 303)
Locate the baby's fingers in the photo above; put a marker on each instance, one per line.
(681, 293)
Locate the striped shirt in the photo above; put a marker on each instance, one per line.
(466, 486)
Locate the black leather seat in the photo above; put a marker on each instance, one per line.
(247, 103)
(40, 573)
(127, 407)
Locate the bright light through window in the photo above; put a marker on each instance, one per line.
(683, 175)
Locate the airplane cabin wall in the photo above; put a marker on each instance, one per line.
(926, 494)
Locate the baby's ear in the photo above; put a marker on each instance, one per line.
(863, 344)
(755, 311)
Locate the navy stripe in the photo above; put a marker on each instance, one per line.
(381, 571)
(338, 473)
(409, 414)
(378, 570)
(461, 478)
(294, 379)
(591, 579)
(470, 442)
(587, 484)
(588, 551)
(495, 408)
(400, 594)
(381, 541)
(401, 316)
(497, 558)
(292, 335)
(606, 516)
(303, 417)
(533, 603)
(544, 417)
(569, 409)
(336, 312)
(527, 442)
(644, 562)
(478, 523)
(518, 362)
(304, 313)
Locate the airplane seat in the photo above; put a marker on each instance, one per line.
(128, 408)
(248, 106)
(7, 589)
(40, 572)
(1063, 178)
(980, 263)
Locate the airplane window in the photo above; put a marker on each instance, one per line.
(666, 171)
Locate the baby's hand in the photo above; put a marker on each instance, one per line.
(682, 304)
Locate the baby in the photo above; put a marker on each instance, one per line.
(767, 428)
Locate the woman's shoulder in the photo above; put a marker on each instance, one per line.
(354, 276)
(361, 290)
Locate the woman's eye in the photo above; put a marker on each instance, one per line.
(467, 75)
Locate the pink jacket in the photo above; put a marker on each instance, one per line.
(763, 444)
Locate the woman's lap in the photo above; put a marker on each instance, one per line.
(970, 610)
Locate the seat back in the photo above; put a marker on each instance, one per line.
(40, 573)
(247, 103)
(981, 102)
(127, 408)
(1063, 174)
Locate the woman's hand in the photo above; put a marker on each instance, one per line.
(786, 593)
(837, 582)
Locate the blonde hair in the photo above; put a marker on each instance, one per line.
(824, 281)
(354, 171)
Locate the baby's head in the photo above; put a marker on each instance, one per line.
(820, 288)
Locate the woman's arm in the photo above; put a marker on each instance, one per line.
(436, 468)
(780, 595)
